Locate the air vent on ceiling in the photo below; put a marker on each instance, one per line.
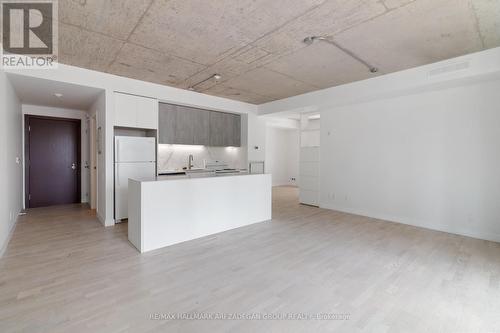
(449, 68)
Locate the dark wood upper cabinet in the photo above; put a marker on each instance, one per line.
(184, 125)
(236, 138)
(218, 133)
(166, 123)
(201, 124)
(191, 126)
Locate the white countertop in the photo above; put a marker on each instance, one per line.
(197, 175)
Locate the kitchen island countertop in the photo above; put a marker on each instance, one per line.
(173, 209)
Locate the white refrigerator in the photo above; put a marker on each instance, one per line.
(135, 157)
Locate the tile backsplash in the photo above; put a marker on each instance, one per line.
(172, 157)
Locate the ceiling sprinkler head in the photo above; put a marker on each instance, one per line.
(311, 39)
(374, 70)
(308, 40)
(217, 77)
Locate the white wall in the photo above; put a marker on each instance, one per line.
(309, 132)
(256, 138)
(10, 160)
(293, 156)
(430, 159)
(417, 146)
(105, 209)
(71, 114)
(282, 155)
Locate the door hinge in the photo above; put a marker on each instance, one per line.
(29, 197)
(29, 128)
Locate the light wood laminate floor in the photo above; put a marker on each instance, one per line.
(64, 272)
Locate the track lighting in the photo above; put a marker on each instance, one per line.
(216, 77)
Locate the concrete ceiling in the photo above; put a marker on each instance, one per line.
(256, 45)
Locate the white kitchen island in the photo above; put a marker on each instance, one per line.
(172, 210)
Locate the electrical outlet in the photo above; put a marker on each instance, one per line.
(293, 179)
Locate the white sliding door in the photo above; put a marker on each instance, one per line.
(309, 160)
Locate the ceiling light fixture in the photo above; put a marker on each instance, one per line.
(311, 39)
(58, 95)
(216, 77)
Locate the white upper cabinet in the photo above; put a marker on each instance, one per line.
(125, 111)
(136, 111)
(147, 113)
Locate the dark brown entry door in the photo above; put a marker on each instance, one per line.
(52, 161)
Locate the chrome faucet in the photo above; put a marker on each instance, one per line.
(190, 162)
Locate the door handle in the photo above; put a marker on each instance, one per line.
(73, 166)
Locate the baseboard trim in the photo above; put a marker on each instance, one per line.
(492, 237)
(109, 223)
(101, 219)
(105, 222)
(9, 237)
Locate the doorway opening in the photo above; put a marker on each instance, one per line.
(53, 161)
